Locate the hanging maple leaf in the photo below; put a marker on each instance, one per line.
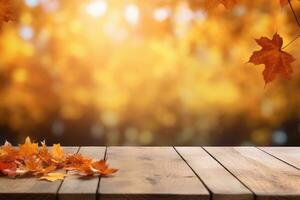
(273, 57)
(210, 4)
(6, 11)
(53, 177)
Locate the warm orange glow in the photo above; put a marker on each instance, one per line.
(144, 72)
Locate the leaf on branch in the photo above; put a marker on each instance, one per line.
(276, 60)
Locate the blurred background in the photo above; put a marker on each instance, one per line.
(132, 72)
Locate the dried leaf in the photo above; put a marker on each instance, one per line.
(53, 177)
(27, 159)
(44, 154)
(102, 168)
(58, 153)
(28, 148)
(276, 60)
(8, 153)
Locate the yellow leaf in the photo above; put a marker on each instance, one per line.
(54, 177)
(58, 153)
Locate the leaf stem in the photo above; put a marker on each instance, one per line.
(293, 40)
(294, 13)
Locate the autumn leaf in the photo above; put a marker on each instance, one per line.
(80, 163)
(6, 11)
(28, 159)
(276, 60)
(47, 170)
(32, 164)
(28, 148)
(102, 168)
(229, 4)
(53, 177)
(8, 153)
(44, 154)
(58, 153)
(8, 168)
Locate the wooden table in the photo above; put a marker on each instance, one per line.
(188, 173)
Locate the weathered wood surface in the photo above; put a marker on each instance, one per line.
(290, 155)
(150, 172)
(76, 188)
(219, 181)
(266, 176)
(154, 173)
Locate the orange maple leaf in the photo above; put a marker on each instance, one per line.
(32, 165)
(28, 148)
(6, 11)
(8, 153)
(273, 57)
(102, 168)
(228, 4)
(28, 159)
(80, 163)
(58, 153)
(44, 154)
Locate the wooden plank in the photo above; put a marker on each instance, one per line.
(268, 177)
(76, 188)
(30, 188)
(290, 155)
(150, 173)
(219, 181)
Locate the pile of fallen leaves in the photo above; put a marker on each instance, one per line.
(30, 159)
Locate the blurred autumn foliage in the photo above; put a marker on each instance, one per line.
(146, 72)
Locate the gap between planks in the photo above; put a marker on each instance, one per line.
(73, 188)
(231, 189)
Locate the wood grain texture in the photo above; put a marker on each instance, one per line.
(290, 155)
(78, 188)
(268, 177)
(30, 188)
(219, 181)
(150, 173)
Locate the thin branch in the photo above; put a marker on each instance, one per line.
(294, 13)
(293, 40)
